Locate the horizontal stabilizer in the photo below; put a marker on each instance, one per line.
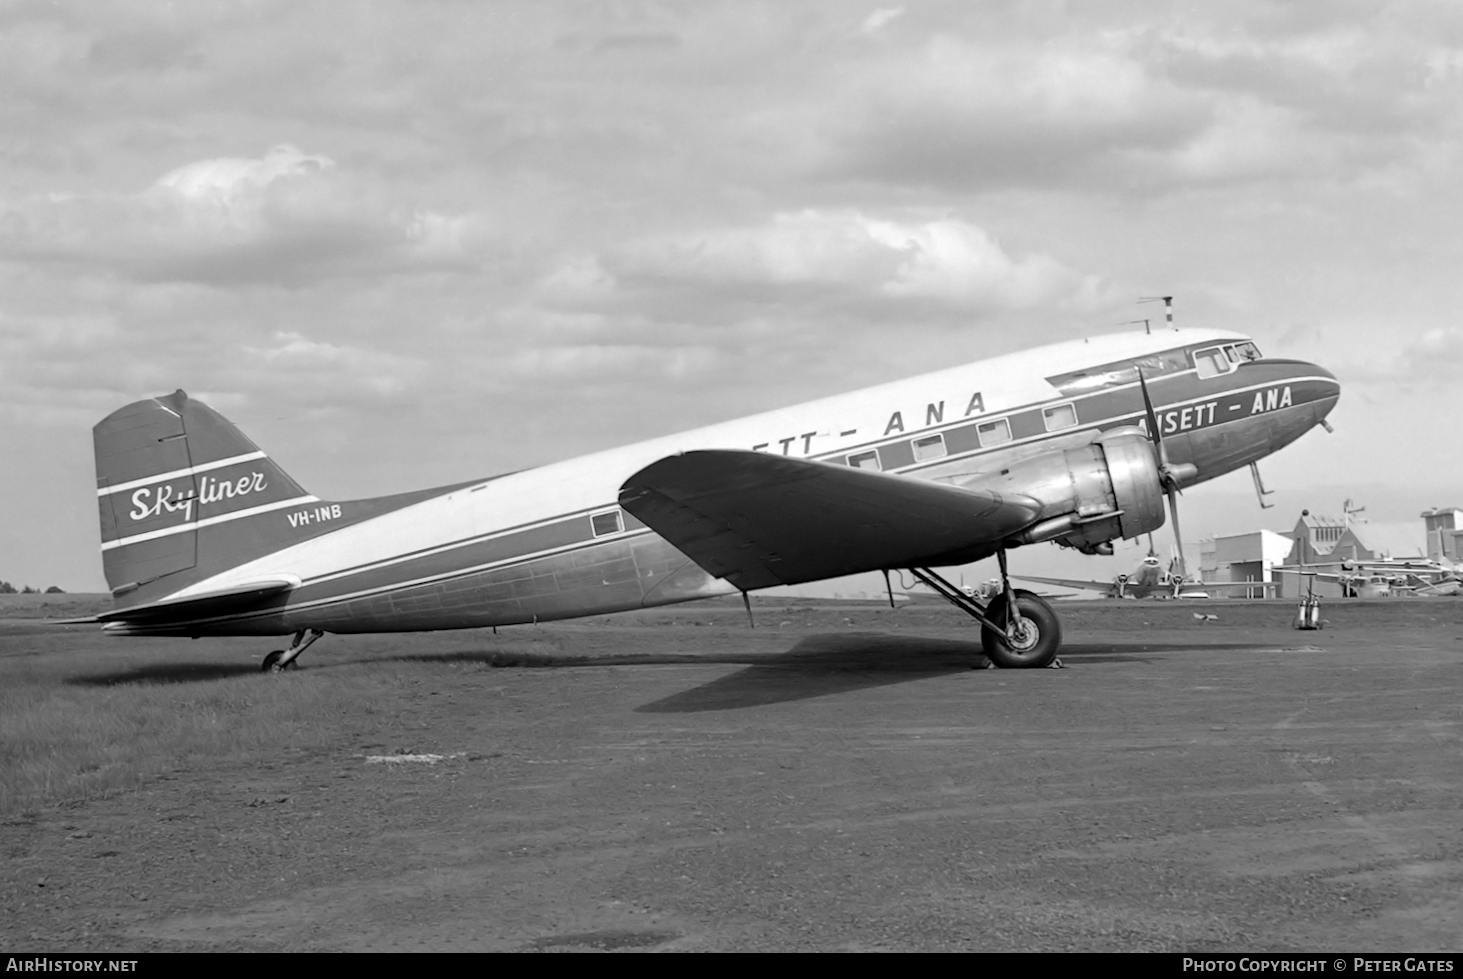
(227, 601)
(759, 520)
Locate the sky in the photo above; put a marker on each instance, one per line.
(408, 244)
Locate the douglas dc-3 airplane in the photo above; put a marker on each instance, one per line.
(1078, 443)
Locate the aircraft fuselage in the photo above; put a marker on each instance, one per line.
(552, 543)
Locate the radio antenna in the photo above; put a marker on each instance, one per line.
(1167, 307)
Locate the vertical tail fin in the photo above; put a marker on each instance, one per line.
(177, 486)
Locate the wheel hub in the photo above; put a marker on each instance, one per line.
(1022, 635)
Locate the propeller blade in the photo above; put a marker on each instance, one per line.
(1168, 478)
(1178, 536)
(1153, 434)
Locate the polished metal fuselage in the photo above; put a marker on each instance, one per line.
(527, 547)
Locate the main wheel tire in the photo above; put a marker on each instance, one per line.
(1032, 639)
(271, 662)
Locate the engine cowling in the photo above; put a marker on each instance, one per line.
(1090, 494)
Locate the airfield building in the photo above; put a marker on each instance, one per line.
(1444, 527)
(1243, 557)
(1324, 543)
(1319, 539)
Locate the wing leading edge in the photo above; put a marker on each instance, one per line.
(760, 520)
(1102, 586)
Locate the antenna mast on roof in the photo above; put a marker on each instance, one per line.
(1167, 307)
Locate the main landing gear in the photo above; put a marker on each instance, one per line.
(1019, 630)
(282, 659)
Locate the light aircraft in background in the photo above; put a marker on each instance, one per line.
(1151, 580)
(203, 534)
(984, 591)
(1413, 584)
(1363, 585)
(1370, 579)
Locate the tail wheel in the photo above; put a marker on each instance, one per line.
(271, 662)
(1032, 636)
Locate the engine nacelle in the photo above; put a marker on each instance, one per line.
(1091, 494)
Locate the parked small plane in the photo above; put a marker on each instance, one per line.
(1151, 580)
(984, 591)
(1078, 442)
(1363, 585)
(1416, 585)
(1368, 579)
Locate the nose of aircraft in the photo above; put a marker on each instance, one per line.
(1328, 390)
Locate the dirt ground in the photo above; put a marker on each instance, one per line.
(838, 778)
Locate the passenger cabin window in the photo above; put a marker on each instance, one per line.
(1211, 361)
(606, 523)
(994, 433)
(864, 460)
(1059, 416)
(930, 447)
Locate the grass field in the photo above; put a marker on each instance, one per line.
(84, 715)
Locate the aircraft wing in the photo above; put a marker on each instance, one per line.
(759, 520)
(1102, 586)
(241, 598)
(1239, 586)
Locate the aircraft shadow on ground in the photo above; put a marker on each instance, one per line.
(164, 673)
(830, 664)
(817, 666)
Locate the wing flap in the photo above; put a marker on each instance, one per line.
(1266, 586)
(759, 520)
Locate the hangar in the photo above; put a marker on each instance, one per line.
(1444, 526)
(1243, 557)
(1317, 540)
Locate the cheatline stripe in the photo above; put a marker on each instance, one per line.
(183, 528)
(202, 467)
(1132, 416)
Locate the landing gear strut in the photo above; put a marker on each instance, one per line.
(1019, 630)
(282, 659)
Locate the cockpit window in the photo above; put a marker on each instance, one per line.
(1241, 352)
(1211, 361)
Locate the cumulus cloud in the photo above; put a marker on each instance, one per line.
(962, 113)
(1112, 104)
(880, 19)
(944, 260)
(288, 217)
(1437, 355)
(378, 371)
(232, 191)
(600, 361)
